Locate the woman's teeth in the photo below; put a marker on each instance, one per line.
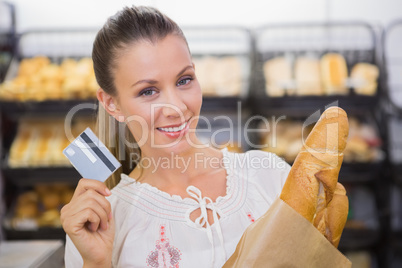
(173, 129)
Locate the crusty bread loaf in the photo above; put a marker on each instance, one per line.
(364, 77)
(313, 178)
(278, 77)
(308, 76)
(331, 220)
(334, 73)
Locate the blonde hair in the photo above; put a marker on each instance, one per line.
(125, 28)
(115, 135)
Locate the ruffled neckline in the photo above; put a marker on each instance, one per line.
(127, 180)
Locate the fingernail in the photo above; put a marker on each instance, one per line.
(108, 192)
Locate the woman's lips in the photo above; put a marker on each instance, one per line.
(175, 132)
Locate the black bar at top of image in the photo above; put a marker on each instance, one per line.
(97, 151)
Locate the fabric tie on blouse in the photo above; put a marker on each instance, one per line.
(203, 218)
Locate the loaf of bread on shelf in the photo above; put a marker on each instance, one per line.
(31, 66)
(39, 155)
(18, 156)
(334, 73)
(308, 76)
(278, 77)
(204, 67)
(364, 77)
(40, 79)
(313, 177)
(27, 205)
(219, 76)
(285, 139)
(228, 77)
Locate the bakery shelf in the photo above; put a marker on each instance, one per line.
(357, 239)
(397, 173)
(43, 233)
(222, 104)
(360, 172)
(394, 125)
(31, 176)
(303, 106)
(397, 240)
(355, 41)
(49, 107)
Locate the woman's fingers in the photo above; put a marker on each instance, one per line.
(88, 207)
(88, 184)
(87, 218)
(96, 202)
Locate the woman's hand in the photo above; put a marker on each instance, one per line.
(88, 221)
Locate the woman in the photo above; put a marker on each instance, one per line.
(182, 204)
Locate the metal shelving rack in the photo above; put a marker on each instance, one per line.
(7, 50)
(7, 36)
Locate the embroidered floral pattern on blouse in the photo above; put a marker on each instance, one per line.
(251, 217)
(165, 255)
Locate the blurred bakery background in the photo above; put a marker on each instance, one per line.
(267, 70)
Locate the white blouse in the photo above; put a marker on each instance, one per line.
(153, 228)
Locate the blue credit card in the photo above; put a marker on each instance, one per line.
(90, 157)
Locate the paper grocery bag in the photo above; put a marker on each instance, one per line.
(283, 238)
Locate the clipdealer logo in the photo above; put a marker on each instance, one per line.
(236, 130)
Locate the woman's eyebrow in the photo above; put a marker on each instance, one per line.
(185, 69)
(147, 81)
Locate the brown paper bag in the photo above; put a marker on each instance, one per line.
(283, 238)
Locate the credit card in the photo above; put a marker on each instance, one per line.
(90, 157)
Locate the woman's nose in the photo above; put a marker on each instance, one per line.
(173, 105)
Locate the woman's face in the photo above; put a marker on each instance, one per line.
(159, 95)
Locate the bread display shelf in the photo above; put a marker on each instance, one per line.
(397, 240)
(355, 239)
(29, 176)
(360, 172)
(397, 173)
(357, 173)
(300, 68)
(307, 105)
(16, 108)
(213, 104)
(46, 233)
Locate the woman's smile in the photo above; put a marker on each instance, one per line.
(175, 131)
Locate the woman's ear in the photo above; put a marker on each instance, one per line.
(110, 104)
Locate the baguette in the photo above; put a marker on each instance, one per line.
(313, 178)
(331, 220)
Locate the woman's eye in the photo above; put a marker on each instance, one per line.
(147, 92)
(184, 81)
